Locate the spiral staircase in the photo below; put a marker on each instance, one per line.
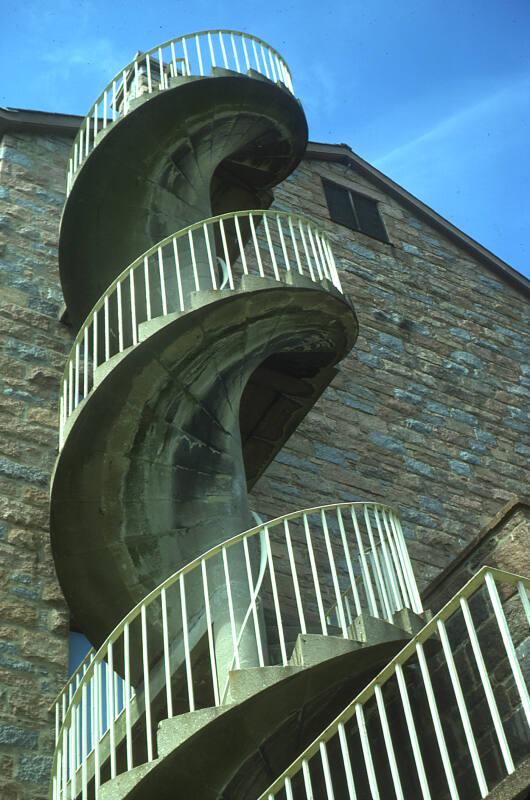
(208, 325)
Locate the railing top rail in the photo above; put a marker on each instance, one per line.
(501, 576)
(144, 53)
(155, 593)
(271, 213)
(73, 676)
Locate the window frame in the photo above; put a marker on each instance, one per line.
(351, 195)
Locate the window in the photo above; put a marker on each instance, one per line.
(354, 210)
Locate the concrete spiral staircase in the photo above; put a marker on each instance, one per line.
(208, 326)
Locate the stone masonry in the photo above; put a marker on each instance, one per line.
(427, 413)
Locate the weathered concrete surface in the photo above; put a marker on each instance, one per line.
(204, 147)
(161, 451)
(208, 760)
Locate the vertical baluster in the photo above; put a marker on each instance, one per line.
(524, 600)
(276, 601)
(136, 79)
(508, 645)
(346, 762)
(250, 581)
(292, 564)
(488, 691)
(256, 247)
(413, 589)
(212, 54)
(120, 316)
(245, 52)
(264, 61)
(186, 59)
(388, 563)
(314, 574)
(413, 736)
(70, 386)
(177, 270)
(306, 251)
(85, 360)
(235, 647)
(211, 645)
(461, 703)
(326, 770)
(162, 280)
(273, 68)
(97, 725)
(81, 145)
(440, 738)
(288, 790)
(351, 574)
(187, 652)
(383, 719)
(398, 567)
(193, 260)
(87, 137)
(65, 762)
(281, 73)
(323, 257)
(148, 71)
(95, 125)
(377, 565)
(226, 254)
(282, 240)
(161, 83)
(84, 741)
(132, 295)
(234, 51)
(104, 109)
(365, 572)
(174, 60)
(106, 327)
(320, 270)
(76, 163)
(72, 753)
(199, 55)
(114, 96)
(295, 247)
(111, 701)
(147, 686)
(77, 371)
(334, 577)
(95, 345)
(167, 666)
(241, 247)
(125, 93)
(221, 42)
(255, 54)
(147, 287)
(308, 786)
(271, 248)
(127, 691)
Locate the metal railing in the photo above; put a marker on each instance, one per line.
(447, 718)
(265, 244)
(195, 54)
(61, 703)
(178, 646)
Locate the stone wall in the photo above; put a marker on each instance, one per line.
(33, 346)
(428, 411)
(425, 413)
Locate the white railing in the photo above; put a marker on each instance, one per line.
(195, 54)
(60, 705)
(210, 255)
(178, 646)
(449, 716)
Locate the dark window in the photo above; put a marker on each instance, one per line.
(356, 211)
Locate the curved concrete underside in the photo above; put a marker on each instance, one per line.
(290, 713)
(205, 146)
(154, 458)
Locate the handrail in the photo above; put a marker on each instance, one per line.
(326, 527)
(154, 70)
(162, 280)
(352, 721)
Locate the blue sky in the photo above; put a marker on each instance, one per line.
(435, 93)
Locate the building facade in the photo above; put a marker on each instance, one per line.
(428, 413)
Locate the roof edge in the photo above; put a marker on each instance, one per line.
(68, 124)
(343, 154)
